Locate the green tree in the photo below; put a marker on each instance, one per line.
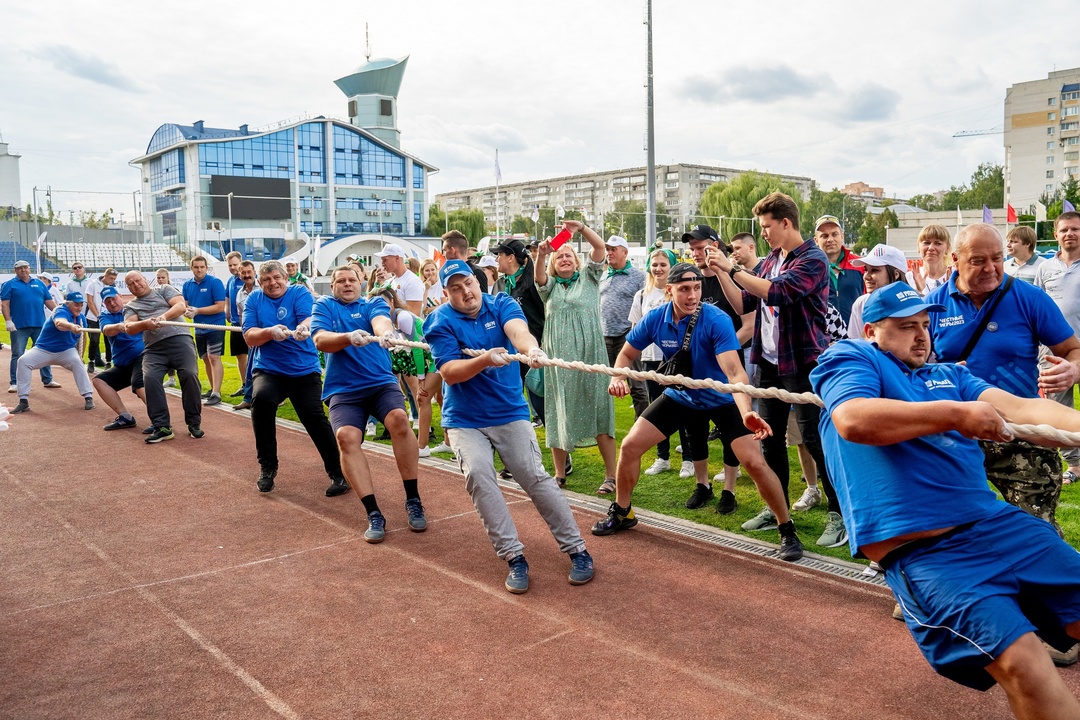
(987, 188)
(628, 220)
(519, 225)
(95, 220)
(850, 211)
(926, 201)
(728, 206)
(470, 223)
(436, 225)
(875, 229)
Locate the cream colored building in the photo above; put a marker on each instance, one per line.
(1042, 137)
(678, 191)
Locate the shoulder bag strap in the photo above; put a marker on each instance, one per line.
(985, 321)
(690, 330)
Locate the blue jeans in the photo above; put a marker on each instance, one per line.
(19, 340)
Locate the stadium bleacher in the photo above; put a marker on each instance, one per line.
(98, 256)
(11, 251)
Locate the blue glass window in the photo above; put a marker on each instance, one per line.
(311, 227)
(168, 225)
(417, 176)
(166, 136)
(359, 161)
(367, 204)
(167, 201)
(167, 169)
(370, 227)
(311, 153)
(418, 214)
(268, 156)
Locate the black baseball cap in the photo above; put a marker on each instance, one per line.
(510, 246)
(701, 232)
(685, 272)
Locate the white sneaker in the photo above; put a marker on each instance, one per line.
(811, 496)
(371, 430)
(442, 448)
(415, 424)
(169, 382)
(13, 388)
(425, 452)
(687, 469)
(658, 466)
(678, 449)
(718, 477)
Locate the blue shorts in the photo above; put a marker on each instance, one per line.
(970, 594)
(353, 409)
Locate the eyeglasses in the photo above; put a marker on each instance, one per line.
(76, 267)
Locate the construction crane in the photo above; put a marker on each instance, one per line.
(971, 133)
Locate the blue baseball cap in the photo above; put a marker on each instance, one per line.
(109, 291)
(897, 300)
(453, 267)
(75, 297)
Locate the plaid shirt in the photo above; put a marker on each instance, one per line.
(800, 294)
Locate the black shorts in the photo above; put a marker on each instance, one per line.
(668, 416)
(119, 377)
(237, 346)
(353, 409)
(210, 343)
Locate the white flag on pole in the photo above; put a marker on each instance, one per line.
(498, 170)
(559, 212)
(959, 217)
(535, 214)
(1040, 212)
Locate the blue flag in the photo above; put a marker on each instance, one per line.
(1067, 206)
(988, 217)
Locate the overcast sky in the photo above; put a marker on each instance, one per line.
(837, 91)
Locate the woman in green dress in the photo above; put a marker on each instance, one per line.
(578, 409)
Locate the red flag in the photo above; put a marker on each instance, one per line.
(1011, 217)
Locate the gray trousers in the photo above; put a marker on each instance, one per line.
(517, 446)
(173, 353)
(36, 357)
(1065, 397)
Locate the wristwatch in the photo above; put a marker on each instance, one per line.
(734, 269)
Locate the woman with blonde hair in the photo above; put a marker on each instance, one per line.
(433, 293)
(934, 249)
(577, 407)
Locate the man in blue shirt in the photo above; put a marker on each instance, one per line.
(237, 345)
(206, 304)
(24, 300)
(1006, 355)
(359, 384)
(277, 321)
(484, 410)
(56, 346)
(714, 354)
(127, 351)
(975, 577)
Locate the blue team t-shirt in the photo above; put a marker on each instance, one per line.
(27, 301)
(353, 368)
(713, 334)
(1007, 354)
(55, 340)
(126, 349)
(494, 396)
(204, 294)
(942, 475)
(232, 286)
(285, 357)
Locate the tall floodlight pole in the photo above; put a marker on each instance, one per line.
(650, 169)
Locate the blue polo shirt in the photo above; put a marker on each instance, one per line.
(55, 340)
(126, 349)
(352, 369)
(204, 294)
(232, 286)
(942, 475)
(27, 301)
(713, 334)
(1007, 354)
(494, 396)
(285, 357)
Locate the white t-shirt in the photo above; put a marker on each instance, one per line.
(855, 323)
(434, 296)
(640, 306)
(770, 324)
(92, 290)
(409, 288)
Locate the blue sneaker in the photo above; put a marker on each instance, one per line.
(417, 521)
(376, 531)
(517, 581)
(581, 567)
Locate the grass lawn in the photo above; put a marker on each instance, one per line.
(667, 493)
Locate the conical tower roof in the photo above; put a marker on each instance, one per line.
(376, 77)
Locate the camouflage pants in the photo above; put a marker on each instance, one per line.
(1027, 476)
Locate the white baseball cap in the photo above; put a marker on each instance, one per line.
(391, 250)
(616, 241)
(488, 261)
(882, 255)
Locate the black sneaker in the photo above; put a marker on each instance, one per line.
(88, 403)
(121, 423)
(617, 519)
(148, 430)
(100, 363)
(265, 482)
(569, 465)
(506, 474)
(415, 510)
(790, 548)
(22, 407)
(238, 393)
(715, 434)
(214, 399)
(206, 394)
(195, 431)
(703, 495)
(727, 503)
(90, 368)
(338, 486)
(160, 434)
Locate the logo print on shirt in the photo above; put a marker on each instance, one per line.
(490, 325)
(281, 313)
